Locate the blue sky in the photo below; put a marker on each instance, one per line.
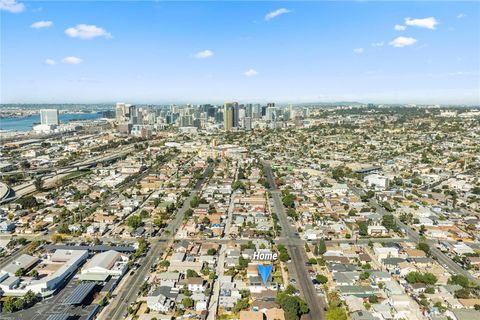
(192, 52)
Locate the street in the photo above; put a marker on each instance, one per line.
(297, 253)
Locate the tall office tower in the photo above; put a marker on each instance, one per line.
(185, 121)
(236, 115)
(271, 113)
(247, 123)
(219, 116)
(49, 116)
(249, 110)
(120, 112)
(241, 115)
(293, 114)
(211, 111)
(257, 110)
(133, 114)
(264, 111)
(228, 116)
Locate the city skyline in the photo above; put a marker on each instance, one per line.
(287, 52)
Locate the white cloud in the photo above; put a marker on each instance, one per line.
(41, 24)
(378, 44)
(72, 60)
(250, 73)
(204, 54)
(11, 6)
(400, 42)
(461, 15)
(85, 31)
(276, 13)
(429, 23)
(399, 27)
(50, 62)
(358, 50)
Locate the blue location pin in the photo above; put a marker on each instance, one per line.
(264, 271)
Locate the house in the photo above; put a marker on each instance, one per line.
(7, 226)
(275, 314)
(251, 315)
(377, 230)
(384, 253)
(196, 284)
(376, 181)
(159, 300)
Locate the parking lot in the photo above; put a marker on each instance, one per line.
(53, 305)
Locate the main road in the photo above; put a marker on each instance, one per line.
(296, 251)
(129, 291)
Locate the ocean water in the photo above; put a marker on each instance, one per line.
(26, 123)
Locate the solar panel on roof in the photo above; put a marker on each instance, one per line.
(58, 316)
(79, 293)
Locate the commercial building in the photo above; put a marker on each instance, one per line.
(103, 265)
(231, 115)
(49, 117)
(66, 261)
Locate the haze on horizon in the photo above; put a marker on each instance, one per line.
(210, 52)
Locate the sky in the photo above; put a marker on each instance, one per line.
(199, 52)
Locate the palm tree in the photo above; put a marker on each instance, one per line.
(38, 183)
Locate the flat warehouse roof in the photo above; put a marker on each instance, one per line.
(79, 293)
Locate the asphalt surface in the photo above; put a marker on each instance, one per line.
(297, 254)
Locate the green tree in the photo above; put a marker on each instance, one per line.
(418, 277)
(241, 304)
(322, 247)
(8, 304)
(336, 313)
(364, 275)
(238, 185)
(290, 289)
(321, 279)
(424, 247)
(195, 202)
(191, 273)
(459, 279)
(362, 228)
(187, 302)
(134, 222)
(19, 272)
(38, 183)
(388, 221)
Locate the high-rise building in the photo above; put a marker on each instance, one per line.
(236, 115)
(271, 113)
(228, 115)
(247, 123)
(49, 117)
(249, 110)
(120, 112)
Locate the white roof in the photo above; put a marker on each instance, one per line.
(105, 260)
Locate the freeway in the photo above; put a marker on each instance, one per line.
(49, 180)
(128, 293)
(416, 237)
(297, 253)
